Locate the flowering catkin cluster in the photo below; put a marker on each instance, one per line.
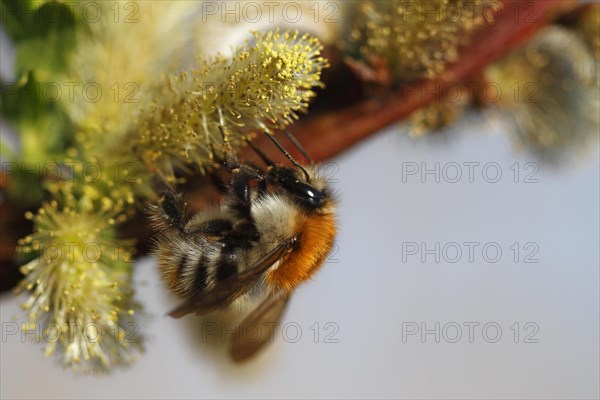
(551, 93)
(80, 298)
(116, 61)
(418, 38)
(261, 87)
(78, 274)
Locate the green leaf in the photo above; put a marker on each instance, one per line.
(42, 123)
(16, 16)
(46, 44)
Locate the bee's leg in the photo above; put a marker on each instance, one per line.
(262, 188)
(239, 194)
(213, 227)
(254, 173)
(262, 185)
(241, 202)
(169, 213)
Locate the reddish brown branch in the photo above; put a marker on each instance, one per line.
(328, 135)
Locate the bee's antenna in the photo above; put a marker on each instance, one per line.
(288, 155)
(296, 143)
(260, 153)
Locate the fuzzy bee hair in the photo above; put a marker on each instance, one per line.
(283, 213)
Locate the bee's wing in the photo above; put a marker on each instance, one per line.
(226, 291)
(263, 319)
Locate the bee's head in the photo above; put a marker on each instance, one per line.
(302, 185)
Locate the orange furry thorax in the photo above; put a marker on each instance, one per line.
(316, 238)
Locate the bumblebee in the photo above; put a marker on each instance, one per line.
(273, 230)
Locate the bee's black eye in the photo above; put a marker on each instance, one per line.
(304, 192)
(309, 194)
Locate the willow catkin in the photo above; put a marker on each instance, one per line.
(550, 92)
(263, 86)
(417, 39)
(79, 285)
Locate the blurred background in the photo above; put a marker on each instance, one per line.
(372, 297)
(467, 259)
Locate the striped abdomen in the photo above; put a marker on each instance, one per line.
(190, 266)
